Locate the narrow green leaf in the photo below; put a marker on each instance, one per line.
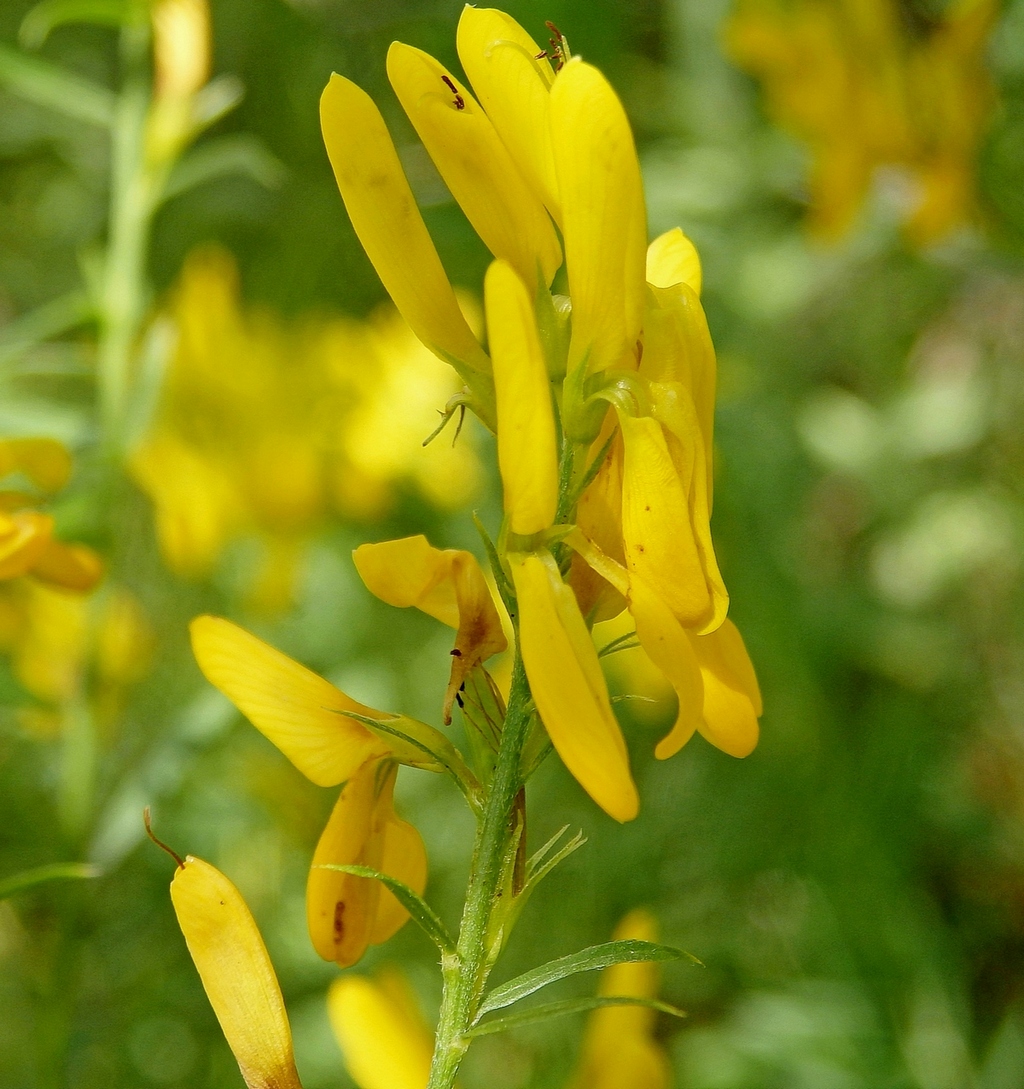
(52, 87)
(237, 154)
(418, 908)
(537, 871)
(45, 17)
(586, 960)
(505, 587)
(568, 1005)
(49, 320)
(56, 871)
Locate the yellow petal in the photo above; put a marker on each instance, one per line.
(239, 979)
(658, 539)
(404, 857)
(678, 349)
(341, 909)
(732, 698)
(513, 84)
(44, 461)
(23, 539)
(568, 686)
(604, 222)
(389, 225)
(674, 408)
(301, 713)
(70, 566)
(669, 648)
(475, 164)
(384, 1046)
(527, 446)
(445, 583)
(673, 259)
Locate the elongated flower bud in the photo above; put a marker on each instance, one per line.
(239, 979)
(527, 446)
(475, 164)
(389, 225)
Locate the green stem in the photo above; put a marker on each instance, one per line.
(122, 293)
(465, 973)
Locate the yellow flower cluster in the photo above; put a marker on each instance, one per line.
(626, 358)
(266, 429)
(867, 87)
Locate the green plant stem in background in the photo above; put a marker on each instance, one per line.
(465, 973)
(122, 292)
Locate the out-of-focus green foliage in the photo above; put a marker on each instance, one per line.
(854, 887)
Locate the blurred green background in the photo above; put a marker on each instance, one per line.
(855, 888)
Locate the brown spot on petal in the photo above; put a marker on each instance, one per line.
(339, 922)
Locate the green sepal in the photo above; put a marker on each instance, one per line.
(569, 1005)
(418, 745)
(554, 326)
(55, 871)
(590, 959)
(420, 911)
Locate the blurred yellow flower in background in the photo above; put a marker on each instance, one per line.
(868, 86)
(268, 428)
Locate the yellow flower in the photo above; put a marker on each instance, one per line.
(447, 585)
(865, 90)
(348, 913)
(381, 1033)
(266, 429)
(307, 718)
(27, 544)
(619, 1050)
(239, 979)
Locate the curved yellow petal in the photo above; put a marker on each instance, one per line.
(568, 686)
(70, 566)
(301, 713)
(239, 979)
(341, 909)
(389, 225)
(669, 648)
(404, 857)
(384, 1046)
(658, 539)
(45, 462)
(513, 83)
(475, 164)
(445, 583)
(24, 536)
(678, 349)
(527, 445)
(674, 408)
(732, 698)
(604, 221)
(673, 259)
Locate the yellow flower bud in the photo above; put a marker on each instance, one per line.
(239, 979)
(527, 446)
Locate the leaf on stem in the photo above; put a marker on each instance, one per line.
(586, 960)
(52, 87)
(50, 14)
(236, 154)
(418, 908)
(410, 748)
(56, 871)
(569, 1005)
